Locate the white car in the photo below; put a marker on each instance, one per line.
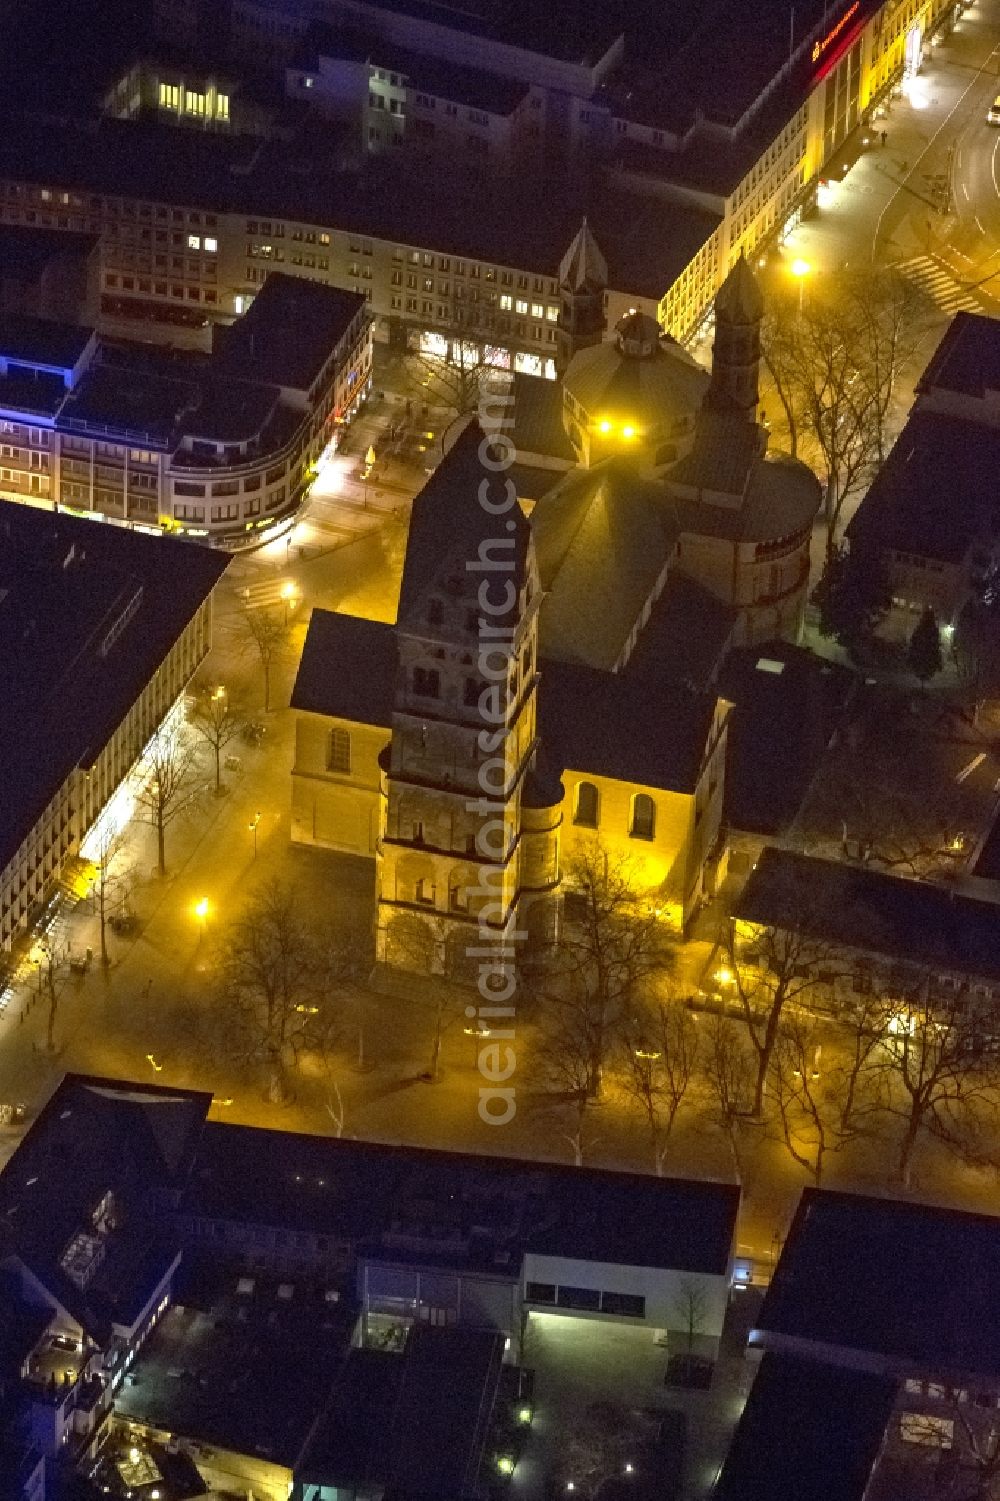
(993, 113)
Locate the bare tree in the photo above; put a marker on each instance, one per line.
(661, 1062)
(267, 631)
(771, 970)
(834, 362)
(53, 974)
(170, 786)
(454, 380)
(691, 1304)
(419, 945)
(939, 1084)
(280, 985)
(879, 798)
(217, 717)
(728, 1075)
(587, 990)
(823, 1081)
(112, 882)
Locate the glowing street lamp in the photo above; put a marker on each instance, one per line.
(253, 829)
(201, 913)
(289, 595)
(800, 269)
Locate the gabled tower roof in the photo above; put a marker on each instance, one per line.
(450, 524)
(739, 298)
(583, 265)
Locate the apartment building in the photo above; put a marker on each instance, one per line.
(221, 448)
(106, 627)
(736, 113)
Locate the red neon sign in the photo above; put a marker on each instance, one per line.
(820, 47)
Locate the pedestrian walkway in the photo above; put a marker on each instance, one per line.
(937, 283)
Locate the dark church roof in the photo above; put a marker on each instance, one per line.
(348, 669)
(456, 523)
(624, 725)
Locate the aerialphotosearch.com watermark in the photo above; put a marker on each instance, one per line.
(497, 599)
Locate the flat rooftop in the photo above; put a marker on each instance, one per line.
(913, 1285)
(65, 582)
(809, 1432)
(967, 360)
(572, 31)
(247, 1370)
(42, 341)
(787, 704)
(914, 922)
(473, 1210)
(287, 334)
(934, 495)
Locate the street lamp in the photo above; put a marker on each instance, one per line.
(288, 595)
(253, 829)
(800, 269)
(201, 912)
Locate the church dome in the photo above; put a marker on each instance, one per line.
(640, 392)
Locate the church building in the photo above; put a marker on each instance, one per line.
(548, 688)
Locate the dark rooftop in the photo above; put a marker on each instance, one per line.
(686, 637)
(145, 405)
(286, 336)
(525, 221)
(65, 582)
(449, 526)
(809, 1432)
(25, 250)
(96, 1135)
(624, 725)
(571, 32)
(787, 705)
(538, 419)
(392, 1198)
(42, 341)
(836, 903)
(347, 669)
(249, 1371)
(967, 360)
(934, 495)
(414, 1421)
(880, 1279)
(474, 87)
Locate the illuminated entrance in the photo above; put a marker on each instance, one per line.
(913, 54)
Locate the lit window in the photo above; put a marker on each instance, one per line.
(506, 303)
(537, 310)
(521, 305)
(211, 244)
(643, 825)
(222, 106)
(552, 313)
(194, 242)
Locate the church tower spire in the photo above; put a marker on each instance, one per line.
(583, 281)
(739, 312)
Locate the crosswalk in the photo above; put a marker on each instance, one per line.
(937, 282)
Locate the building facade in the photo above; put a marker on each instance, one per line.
(224, 452)
(100, 669)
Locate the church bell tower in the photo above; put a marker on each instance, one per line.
(583, 281)
(739, 313)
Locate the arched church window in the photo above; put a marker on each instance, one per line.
(587, 810)
(643, 825)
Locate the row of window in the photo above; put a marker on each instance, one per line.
(587, 811)
(586, 1299)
